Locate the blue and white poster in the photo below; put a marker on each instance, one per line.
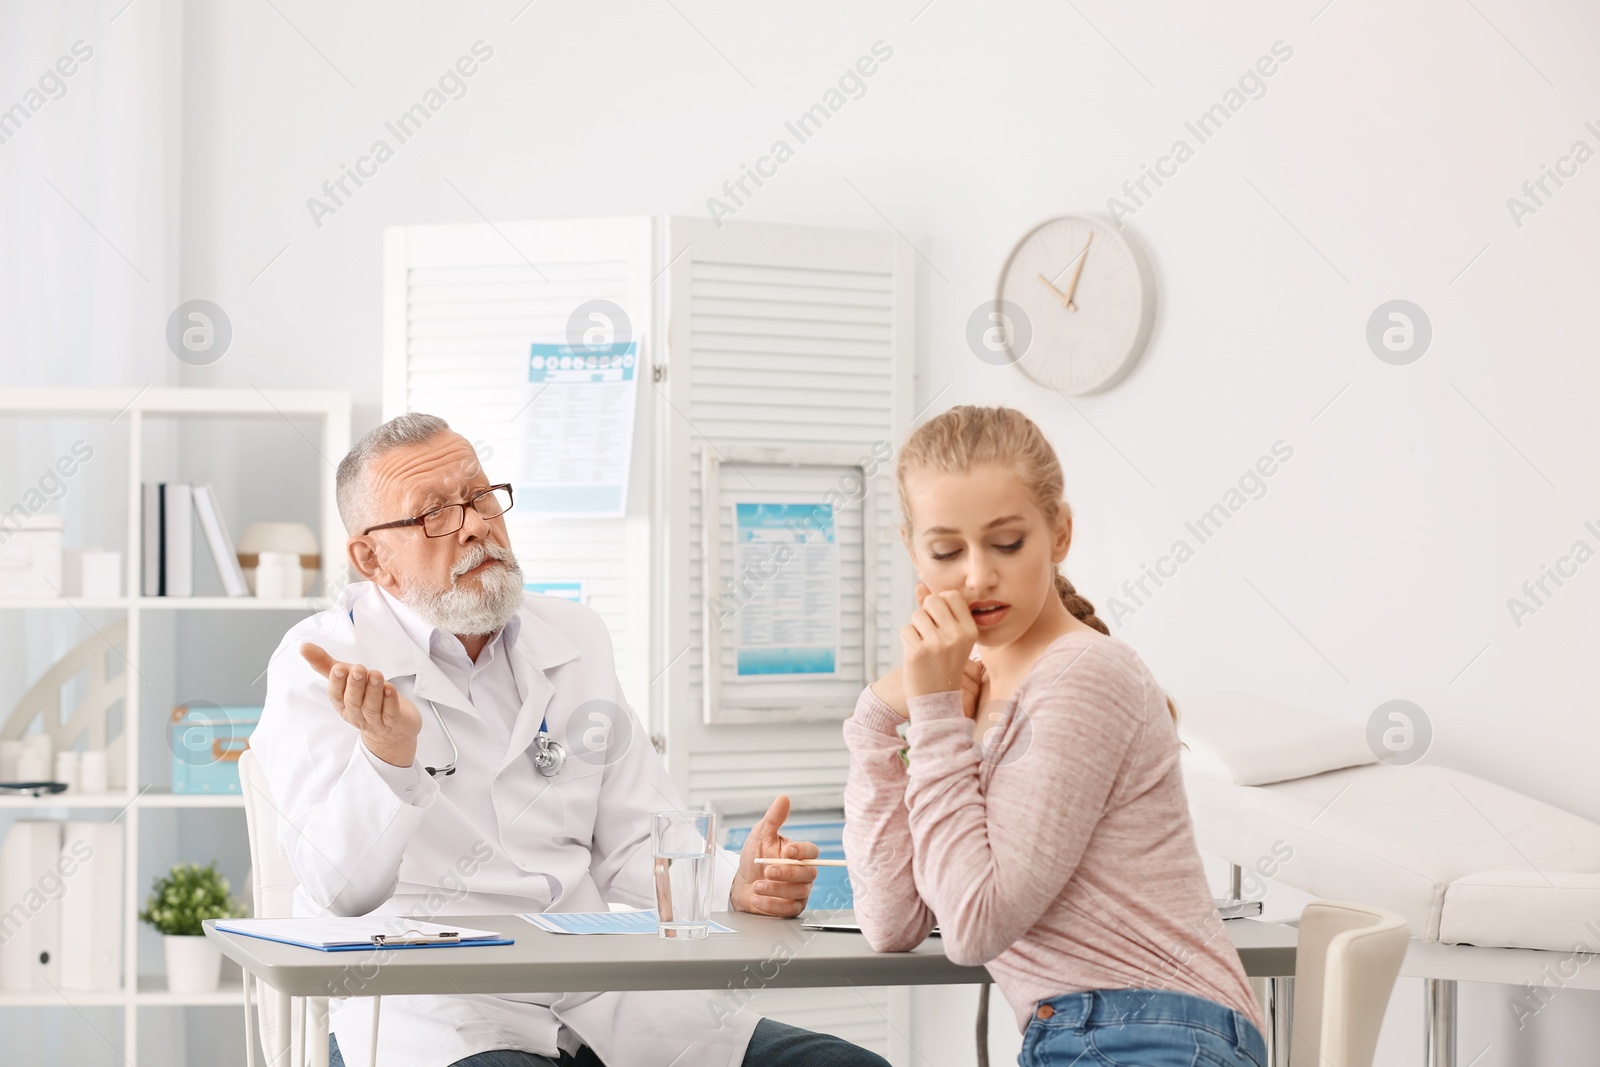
(786, 561)
(577, 430)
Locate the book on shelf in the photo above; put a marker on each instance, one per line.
(217, 539)
(150, 523)
(171, 511)
(177, 538)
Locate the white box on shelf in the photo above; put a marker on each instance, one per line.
(91, 572)
(30, 927)
(91, 909)
(30, 556)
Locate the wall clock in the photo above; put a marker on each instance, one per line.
(1089, 298)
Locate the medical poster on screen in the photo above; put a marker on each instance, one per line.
(786, 559)
(577, 430)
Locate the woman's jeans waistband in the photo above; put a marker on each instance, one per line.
(1140, 1028)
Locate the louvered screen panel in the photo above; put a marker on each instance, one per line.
(783, 337)
(797, 338)
(463, 305)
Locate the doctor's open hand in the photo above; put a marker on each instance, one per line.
(938, 643)
(773, 889)
(389, 723)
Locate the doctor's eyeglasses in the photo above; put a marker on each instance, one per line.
(443, 521)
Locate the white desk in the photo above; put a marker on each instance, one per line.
(541, 962)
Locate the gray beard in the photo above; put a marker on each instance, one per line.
(472, 612)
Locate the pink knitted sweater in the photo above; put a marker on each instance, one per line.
(1059, 853)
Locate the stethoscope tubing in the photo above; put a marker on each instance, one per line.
(548, 758)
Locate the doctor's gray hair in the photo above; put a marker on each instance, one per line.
(352, 490)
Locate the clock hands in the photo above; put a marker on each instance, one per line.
(1059, 294)
(1072, 286)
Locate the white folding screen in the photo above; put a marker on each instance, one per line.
(793, 342)
(462, 305)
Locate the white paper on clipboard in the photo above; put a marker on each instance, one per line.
(790, 625)
(577, 430)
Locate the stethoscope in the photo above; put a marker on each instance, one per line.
(548, 754)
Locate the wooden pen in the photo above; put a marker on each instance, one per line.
(802, 863)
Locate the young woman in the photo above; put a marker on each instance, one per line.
(1035, 807)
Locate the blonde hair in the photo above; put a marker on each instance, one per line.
(967, 436)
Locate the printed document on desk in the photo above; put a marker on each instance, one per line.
(577, 429)
(602, 922)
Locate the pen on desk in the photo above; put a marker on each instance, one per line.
(801, 863)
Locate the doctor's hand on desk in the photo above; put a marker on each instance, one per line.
(773, 889)
(389, 723)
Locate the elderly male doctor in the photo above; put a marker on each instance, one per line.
(400, 738)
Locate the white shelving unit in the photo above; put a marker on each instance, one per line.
(135, 407)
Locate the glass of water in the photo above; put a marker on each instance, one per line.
(682, 848)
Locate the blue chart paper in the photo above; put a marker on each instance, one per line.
(602, 922)
(566, 590)
(787, 557)
(577, 429)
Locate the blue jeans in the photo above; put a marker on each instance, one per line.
(773, 1044)
(1139, 1028)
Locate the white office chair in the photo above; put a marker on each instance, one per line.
(1346, 960)
(272, 888)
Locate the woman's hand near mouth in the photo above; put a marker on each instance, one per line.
(938, 643)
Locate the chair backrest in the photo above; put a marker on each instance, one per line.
(1346, 961)
(272, 889)
(274, 882)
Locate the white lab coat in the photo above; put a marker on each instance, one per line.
(495, 837)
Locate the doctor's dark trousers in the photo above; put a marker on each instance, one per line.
(773, 1044)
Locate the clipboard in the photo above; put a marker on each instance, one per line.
(357, 935)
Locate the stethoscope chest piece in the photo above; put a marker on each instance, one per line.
(548, 755)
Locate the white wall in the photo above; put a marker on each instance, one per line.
(1377, 165)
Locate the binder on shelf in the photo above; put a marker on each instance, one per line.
(30, 885)
(217, 539)
(177, 538)
(91, 909)
(333, 934)
(150, 573)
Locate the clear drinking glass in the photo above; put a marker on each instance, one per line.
(682, 845)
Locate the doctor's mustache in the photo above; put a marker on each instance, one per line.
(476, 554)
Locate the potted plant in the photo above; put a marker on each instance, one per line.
(179, 903)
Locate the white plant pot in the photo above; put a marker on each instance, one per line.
(194, 964)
